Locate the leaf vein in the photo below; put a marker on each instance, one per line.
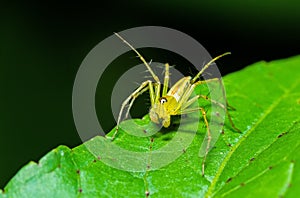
(209, 193)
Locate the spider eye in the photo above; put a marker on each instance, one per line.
(163, 100)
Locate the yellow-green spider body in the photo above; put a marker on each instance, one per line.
(175, 101)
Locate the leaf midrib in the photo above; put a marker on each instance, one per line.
(209, 192)
(265, 170)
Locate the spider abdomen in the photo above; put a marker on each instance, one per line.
(180, 87)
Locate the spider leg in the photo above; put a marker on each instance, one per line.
(185, 102)
(141, 57)
(226, 110)
(142, 88)
(217, 103)
(188, 92)
(186, 111)
(207, 65)
(194, 99)
(157, 84)
(166, 80)
(133, 99)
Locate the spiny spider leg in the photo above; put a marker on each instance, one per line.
(186, 111)
(132, 96)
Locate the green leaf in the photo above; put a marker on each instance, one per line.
(262, 161)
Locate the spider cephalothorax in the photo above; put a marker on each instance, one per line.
(162, 111)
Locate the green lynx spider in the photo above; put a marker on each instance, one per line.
(176, 101)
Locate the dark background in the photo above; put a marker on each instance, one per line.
(43, 44)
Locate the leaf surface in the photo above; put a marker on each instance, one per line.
(263, 161)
